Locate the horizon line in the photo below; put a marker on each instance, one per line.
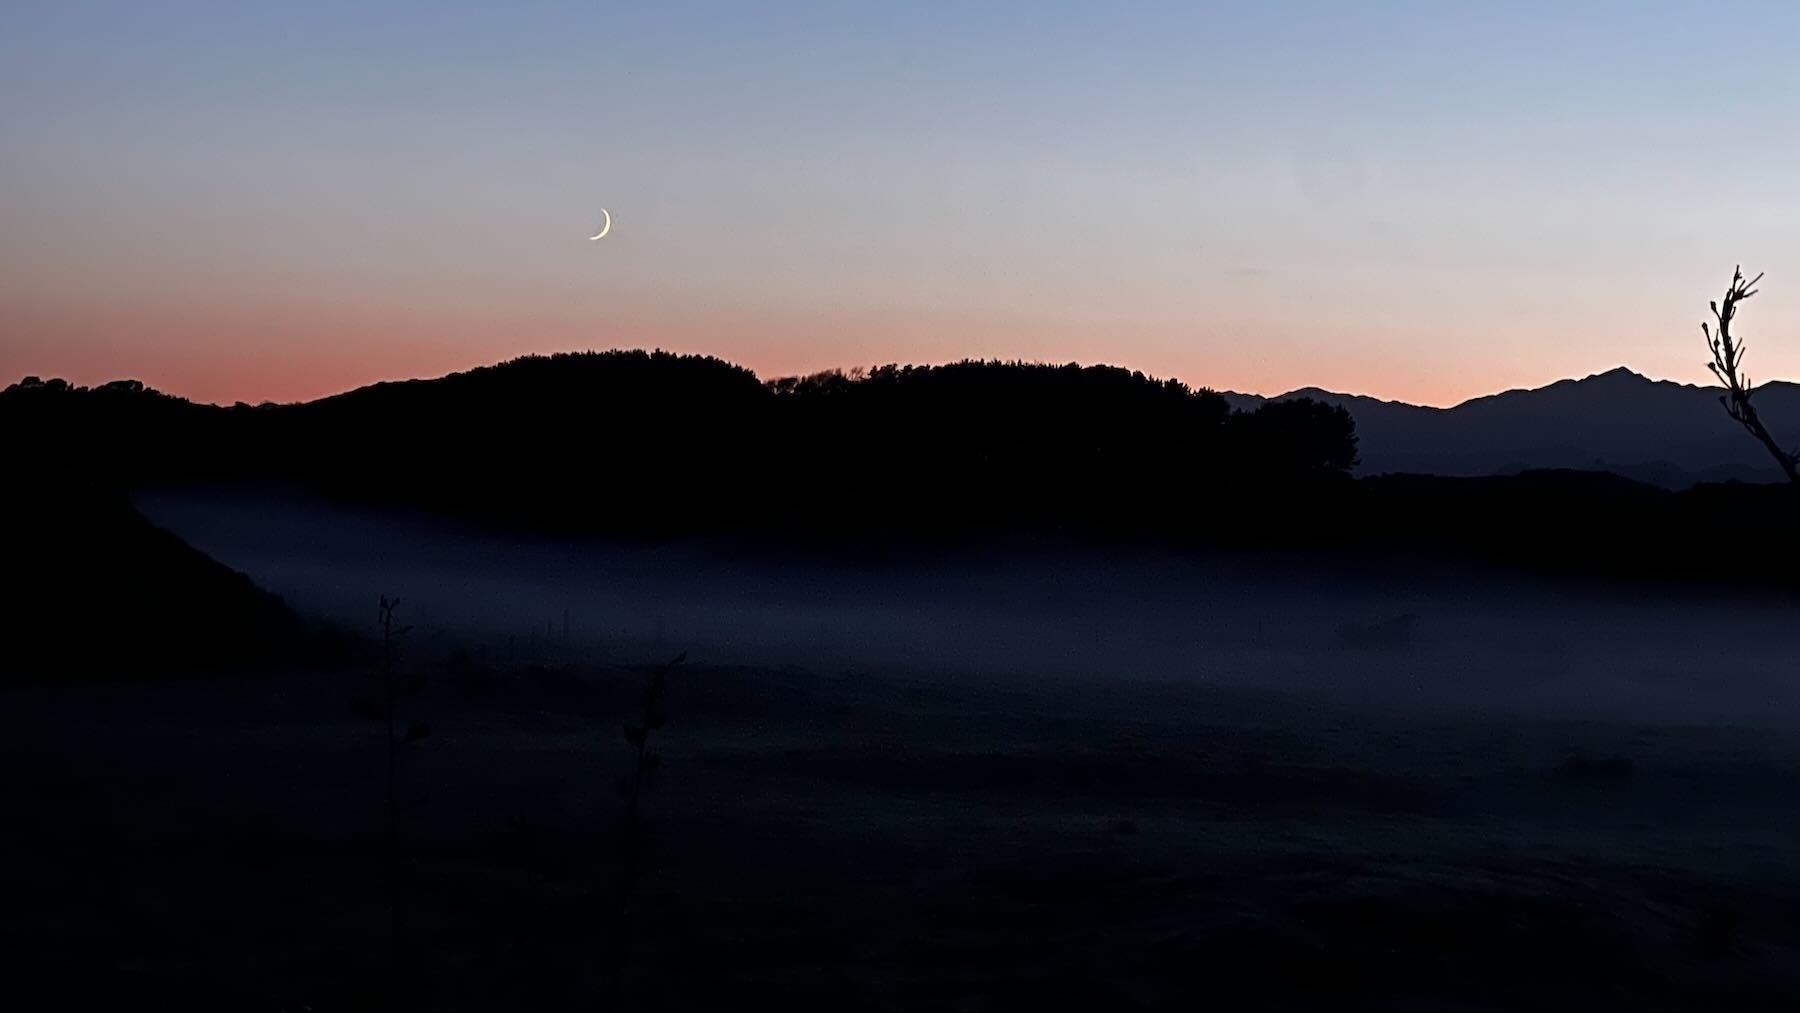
(779, 374)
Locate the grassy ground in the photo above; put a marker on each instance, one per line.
(824, 840)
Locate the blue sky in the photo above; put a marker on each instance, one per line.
(1415, 200)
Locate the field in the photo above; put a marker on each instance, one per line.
(955, 794)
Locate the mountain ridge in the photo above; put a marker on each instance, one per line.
(1663, 432)
(1614, 373)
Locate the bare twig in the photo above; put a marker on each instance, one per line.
(389, 632)
(637, 731)
(1727, 364)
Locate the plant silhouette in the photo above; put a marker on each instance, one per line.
(651, 715)
(391, 632)
(1727, 364)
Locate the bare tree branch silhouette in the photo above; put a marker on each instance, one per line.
(1727, 364)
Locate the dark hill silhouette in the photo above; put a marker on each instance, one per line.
(641, 444)
(609, 440)
(630, 442)
(1658, 431)
(117, 432)
(95, 588)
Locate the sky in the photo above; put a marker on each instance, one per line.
(1419, 201)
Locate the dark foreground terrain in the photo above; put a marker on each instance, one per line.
(1017, 783)
(844, 841)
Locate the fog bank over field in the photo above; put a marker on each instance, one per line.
(1482, 643)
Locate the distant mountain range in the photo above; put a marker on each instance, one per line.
(1657, 431)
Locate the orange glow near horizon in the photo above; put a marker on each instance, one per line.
(321, 329)
(299, 356)
(249, 201)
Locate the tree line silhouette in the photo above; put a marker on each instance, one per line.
(633, 442)
(656, 445)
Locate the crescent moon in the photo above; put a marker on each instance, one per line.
(604, 229)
